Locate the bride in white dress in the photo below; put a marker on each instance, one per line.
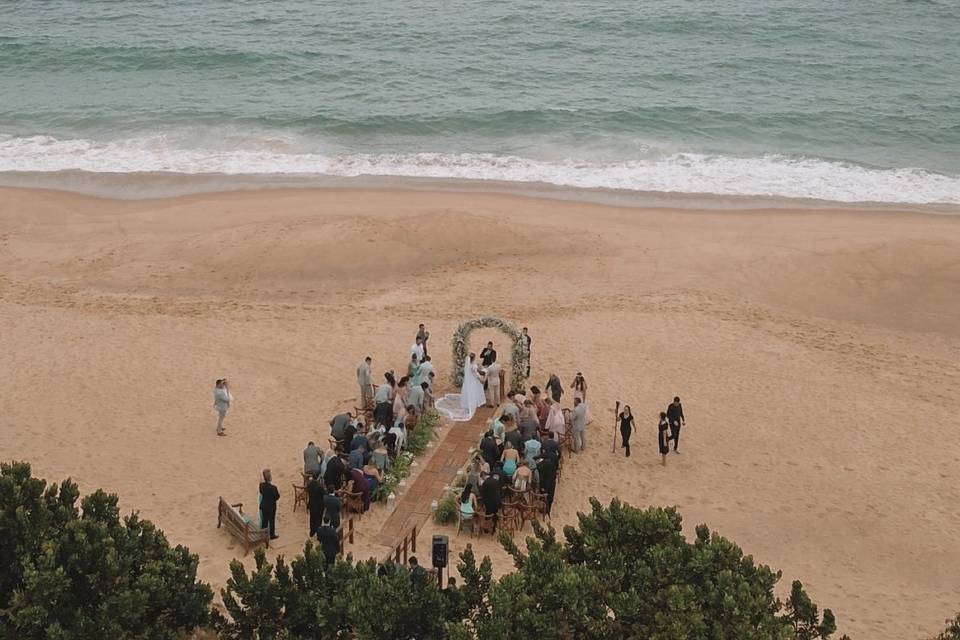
(460, 407)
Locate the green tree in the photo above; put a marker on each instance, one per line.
(87, 573)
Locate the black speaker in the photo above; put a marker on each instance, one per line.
(441, 549)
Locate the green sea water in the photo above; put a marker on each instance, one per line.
(847, 101)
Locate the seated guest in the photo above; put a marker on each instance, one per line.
(491, 496)
(358, 457)
(329, 455)
(523, 478)
(547, 472)
(311, 460)
(349, 433)
(381, 457)
(468, 506)
(338, 423)
(510, 407)
(531, 450)
(489, 449)
(373, 476)
(529, 423)
(360, 485)
(474, 476)
(509, 460)
(359, 440)
(551, 447)
(555, 420)
(510, 432)
(331, 507)
(390, 442)
(335, 473)
(329, 542)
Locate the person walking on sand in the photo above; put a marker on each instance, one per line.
(676, 419)
(662, 437)
(555, 387)
(626, 428)
(221, 403)
(268, 504)
(424, 335)
(365, 382)
(578, 425)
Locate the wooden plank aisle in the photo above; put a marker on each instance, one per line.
(453, 451)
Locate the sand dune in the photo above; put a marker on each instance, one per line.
(816, 353)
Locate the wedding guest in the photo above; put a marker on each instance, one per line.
(468, 506)
(315, 495)
(357, 456)
(493, 384)
(400, 397)
(529, 422)
(474, 476)
(511, 433)
(360, 485)
(410, 419)
(509, 460)
(311, 460)
(358, 440)
(578, 425)
(491, 495)
(221, 403)
(496, 425)
(510, 406)
(555, 387)
(328, 455)
(663, 440)
(417, 350)
(525, 336)
(489, 449)
(627, 426)
(373, 476)
(531, 449)
(555, 422)
(339, 424)
(551, 446)
(331, 506)
(424, 336)
(269, 495)
(523, 478)
(547, 471)
(537, 398)
(365, 382)
(426, 370)
(413, 370)
(579, 387)
(488, 356)
(416, 397)
(381, 456)
(399, 434)
(675, 416)
(335, 473)
(383, 400)
(427, 395)
(329, 542)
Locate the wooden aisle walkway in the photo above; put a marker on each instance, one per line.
(453, 451)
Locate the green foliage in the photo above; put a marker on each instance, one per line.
(307, 599)
(447, 510)
(518, 353)
(422, 433)
(952, 632)
(416, 445)
(85, 573)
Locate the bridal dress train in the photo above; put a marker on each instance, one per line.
(460, 407)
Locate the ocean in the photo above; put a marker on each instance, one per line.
(853, 101)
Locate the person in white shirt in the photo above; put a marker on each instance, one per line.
(417, 350)
(493, 385)
(401, 435)
(221, 403)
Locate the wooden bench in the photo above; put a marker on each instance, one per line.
(248, 533)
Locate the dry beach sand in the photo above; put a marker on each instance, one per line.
(816, 353)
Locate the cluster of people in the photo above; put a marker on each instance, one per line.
(668, 428)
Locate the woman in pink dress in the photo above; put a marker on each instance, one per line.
(555, 421)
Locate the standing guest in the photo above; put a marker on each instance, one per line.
(400, 397)
(555, 422)
(489, 449)
(525, 336)
(489, 355)
(426, 369)
(493, 384)
(416, 397)
(410, 419)
(511, 433)
(496, 425)
(268, 505)
(399, 434)
(358, 440)
(417, 351)
(554, 387)
(510, 406)
(358, 455)
(491, 496)
(529, 423)
(626, 428)
(579, 387)
(221, 403)
(531, 449)
(663, 440)
(551, 447)
(424, 335)
(335, 473)
(365, 382)
(413, 370)
(327, 457)
(329, 542)
(547, 470)
(538, 403)
(416, 571)
(331, 507)
(311, 460)
(578, 425)
(339, 424)
(315, 504)
(675, 416)
(383, 400)
(427, 395)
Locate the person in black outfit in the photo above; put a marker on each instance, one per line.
(526, 343)
(555, 387)
(489, 449)
(315, 505)
(626, 428)
(662, 438)
(489, 355)
(416, 571)
(491, 494)
(551, 448)
(335, 473)
(331, 507)
(675, 416)
(547, 469)
(329, 542)
(268, 505)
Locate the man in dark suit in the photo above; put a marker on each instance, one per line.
(675, 416)
(331, 507)
(489, 355)
(329, 543)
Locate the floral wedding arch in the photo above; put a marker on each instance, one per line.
(518, 354)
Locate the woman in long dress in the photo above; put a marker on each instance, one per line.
(461, 407)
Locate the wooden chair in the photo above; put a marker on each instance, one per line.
(237, 524)
(484, 523)
(352, 501)
(511, 517)
(460, 522)
(299, 496)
